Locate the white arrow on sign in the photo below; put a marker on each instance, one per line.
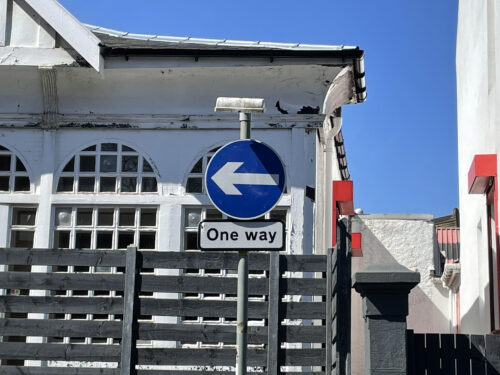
(225, 178)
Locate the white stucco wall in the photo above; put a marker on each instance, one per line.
(478, 133)
(408, 240)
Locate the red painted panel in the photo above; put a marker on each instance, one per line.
(343, 195)
(342, 200)
(356, 248)
(482, 169)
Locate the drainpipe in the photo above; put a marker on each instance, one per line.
(333, 125)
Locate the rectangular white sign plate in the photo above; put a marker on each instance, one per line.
(241, 235)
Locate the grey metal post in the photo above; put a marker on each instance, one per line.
(242, 303)
(245, 119)
(385, 290)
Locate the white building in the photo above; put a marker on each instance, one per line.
(416, 242)
(105, 135)
(478, 100)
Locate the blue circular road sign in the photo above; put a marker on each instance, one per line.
(245, 179)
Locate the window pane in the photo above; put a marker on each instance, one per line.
(65, 184)
(190, 240)
(70, 167)
(4, 183)
(82, 240)
(86, 184)
(61, 240)
(4, 162)
(109, 147)
(149, 185)
(125, 239)
(23, 216)
(108, 163)
(194, 185)
(104, 240)
(84, 216)
(127, 217)
(87, 163)
(21, 238)
(63, 217)
(129, 184)
(147, 240)
(213, 214)
(108, 184)
(193, 217)
(105, 216)
(90, 148)
(126, 148)
(20, 166)
(148, 217)
(129, 163)
(146, 167)
(278, 215)
(22, 183)
(198, 167)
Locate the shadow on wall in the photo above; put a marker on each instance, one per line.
(389, 244)
(477, 319)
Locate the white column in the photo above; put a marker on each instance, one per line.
(169, 239)
(296, 186)
(42, 232)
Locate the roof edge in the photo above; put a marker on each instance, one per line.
(72, 30)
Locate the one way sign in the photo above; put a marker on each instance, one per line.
(241, 235)
(245, 179)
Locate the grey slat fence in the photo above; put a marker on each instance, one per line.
(460, 354)
(297, 313)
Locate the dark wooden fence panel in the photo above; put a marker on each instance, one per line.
(459, 354)
(296, 306)
(341, 301)
(156, 259)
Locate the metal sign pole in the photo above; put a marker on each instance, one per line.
(242, 303)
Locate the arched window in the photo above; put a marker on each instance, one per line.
(195, 183)
(108, 168)
(13, 174)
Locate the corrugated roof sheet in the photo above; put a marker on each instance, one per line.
(448, 240)
(120, 39)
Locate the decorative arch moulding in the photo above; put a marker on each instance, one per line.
(482, 172)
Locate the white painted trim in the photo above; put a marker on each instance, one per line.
(165, 121)
(228, 119)
(340, 92)
(148, 62)
(102, 198)
(50, 98)
(19, 198)
(3, 22)
(139, 199)
(75, 33)
(28, 56)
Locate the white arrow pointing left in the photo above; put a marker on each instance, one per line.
(225, 178)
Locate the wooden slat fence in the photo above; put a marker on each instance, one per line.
(293, 317)
(459, 354)
(341, 301)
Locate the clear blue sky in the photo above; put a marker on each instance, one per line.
(401, 143)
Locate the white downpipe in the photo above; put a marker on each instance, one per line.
(329, 154)
(333, 125)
